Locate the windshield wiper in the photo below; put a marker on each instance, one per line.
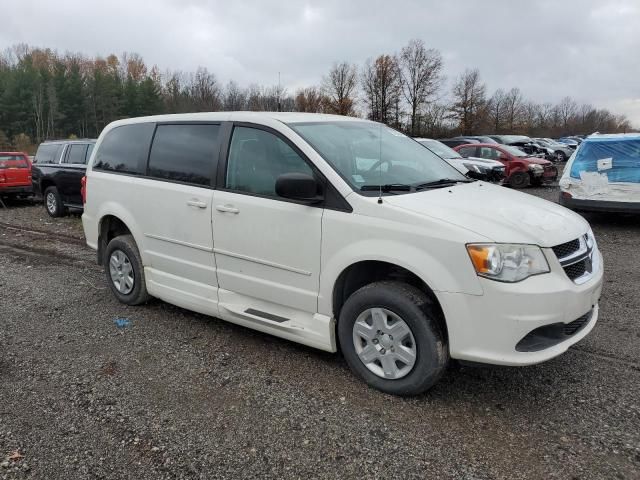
(389, 187)
(442, 182)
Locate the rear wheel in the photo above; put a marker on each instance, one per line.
(124, 271)
(391, 338)
(53, 202)
(519, 180)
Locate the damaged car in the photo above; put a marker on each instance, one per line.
(603, 175)
(478, 168)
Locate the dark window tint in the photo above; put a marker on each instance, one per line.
(48, 153)
(89, 150)
(184, 153)
(257, 158)
(124, 149)
(76, 153)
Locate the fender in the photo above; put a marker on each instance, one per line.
(418, 261)
(111, 208)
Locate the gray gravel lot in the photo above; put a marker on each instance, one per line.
(179, 395)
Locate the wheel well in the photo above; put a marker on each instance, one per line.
(363, 273)
(110, 228)
(46, 183)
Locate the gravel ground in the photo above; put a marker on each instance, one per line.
(174, 394)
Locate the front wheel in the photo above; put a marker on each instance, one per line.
(520, 180)
(124, 271)
(391, 338)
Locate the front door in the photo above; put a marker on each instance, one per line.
(267, 249)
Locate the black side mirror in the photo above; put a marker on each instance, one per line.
(300, 187)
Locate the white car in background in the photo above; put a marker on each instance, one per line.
(603, 175)
(479, 168)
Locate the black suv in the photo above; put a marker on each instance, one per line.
(58, 168)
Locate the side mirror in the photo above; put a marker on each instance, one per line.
(299, 187)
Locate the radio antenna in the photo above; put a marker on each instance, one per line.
(380, 163)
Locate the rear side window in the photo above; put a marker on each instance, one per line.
(184, 153)
(13, 161)
(77, 153)
(124, 149)
(48, 153)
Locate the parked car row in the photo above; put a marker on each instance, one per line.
(554, 150)
(495, 162)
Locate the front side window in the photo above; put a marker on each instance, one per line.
(89, 151)
(368, 154)
(77, 154)
(124, 149)
(489, 153)
(184, 153)
(257, 158)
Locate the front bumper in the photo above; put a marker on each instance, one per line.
(488, 328)
(16, 190)
(599, 205)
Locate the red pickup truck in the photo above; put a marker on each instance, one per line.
(15, 174)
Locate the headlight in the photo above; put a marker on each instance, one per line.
(473, 168)
(507, 262)
(534, 167)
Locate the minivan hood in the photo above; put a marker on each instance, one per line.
(497, 213)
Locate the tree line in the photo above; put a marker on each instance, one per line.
(44, 95)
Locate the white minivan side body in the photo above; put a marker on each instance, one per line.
(273, 265)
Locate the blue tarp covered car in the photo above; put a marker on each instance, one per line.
(603, 175)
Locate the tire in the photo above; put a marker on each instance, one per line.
(520, 180)
(561, 156)
(415, 310)
(53, 202)
(128, 294)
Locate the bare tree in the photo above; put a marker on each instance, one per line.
(234, 98)
(566, 110)
(309, 99)
(420, 75)
(205, 91)
(512, 107)
(381, 83)
(495, 110)
(339, 88)
(469, 101)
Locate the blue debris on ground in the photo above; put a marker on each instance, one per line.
(122, 322)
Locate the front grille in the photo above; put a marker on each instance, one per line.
(576, 325)
(566, 249)
(576, 270)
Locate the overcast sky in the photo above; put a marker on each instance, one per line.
(588, 49)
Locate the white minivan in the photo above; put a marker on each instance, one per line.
(330, 230)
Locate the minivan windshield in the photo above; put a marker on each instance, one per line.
(368, 154)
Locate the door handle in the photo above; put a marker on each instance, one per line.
(196, 203)
(227, 209)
